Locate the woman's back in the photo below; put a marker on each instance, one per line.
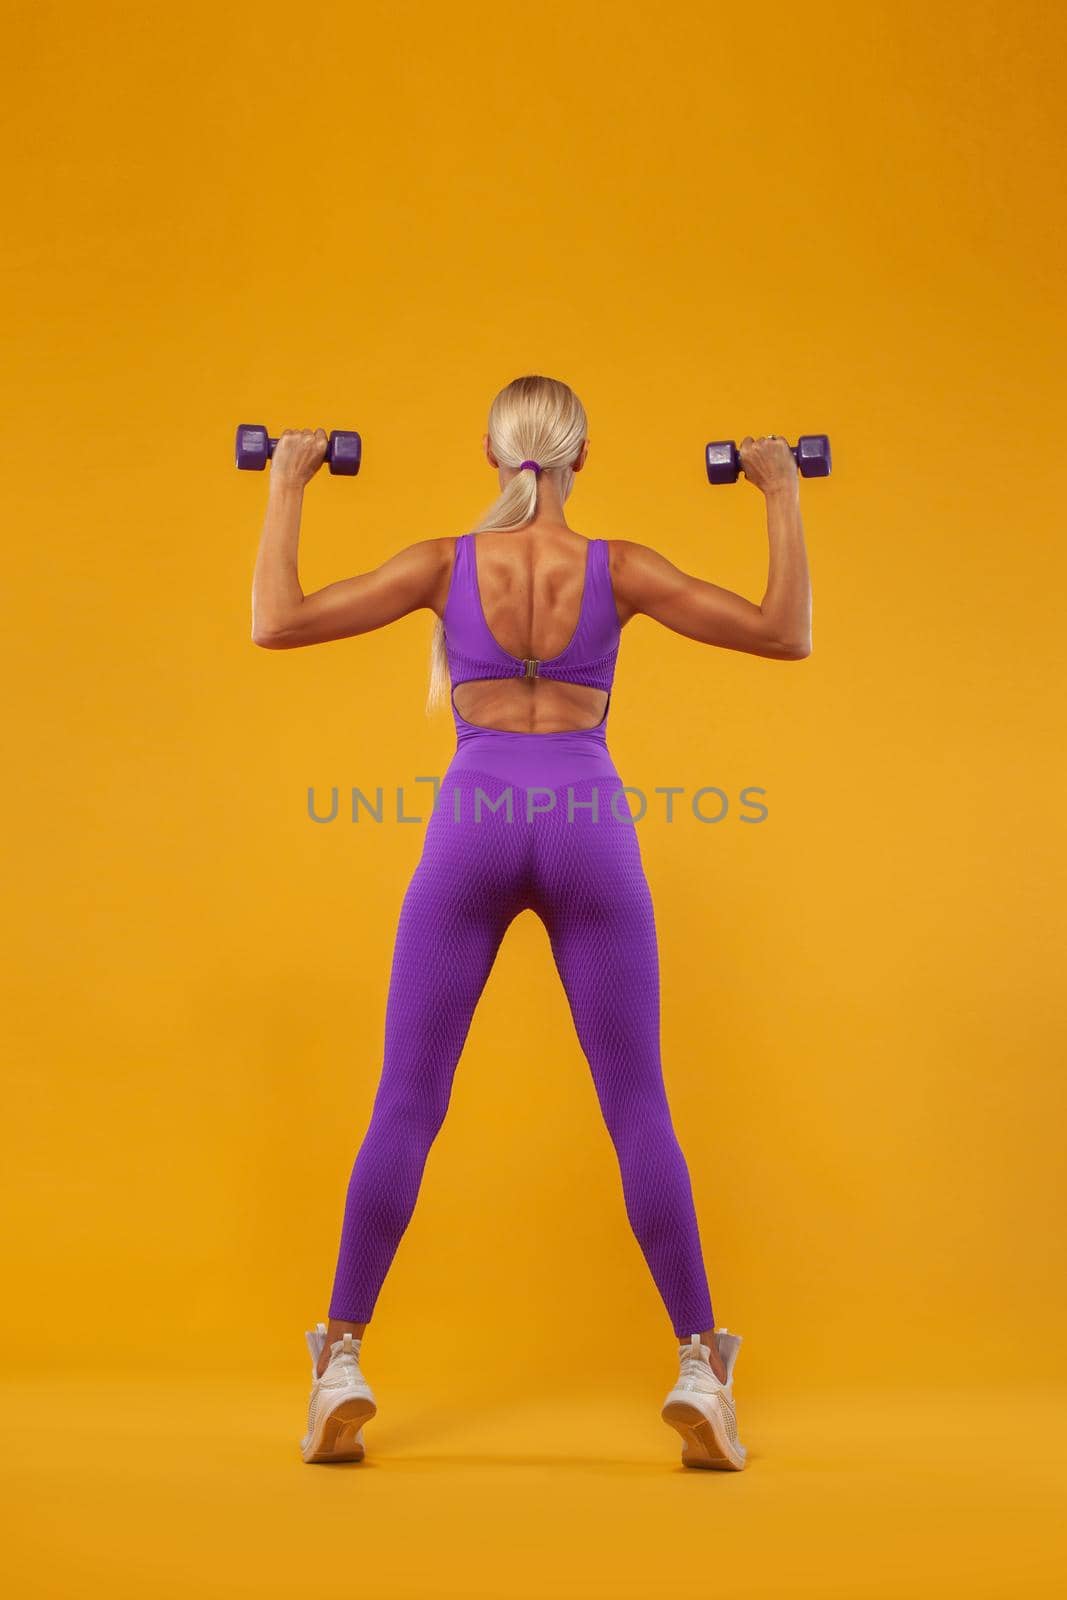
(531, 631)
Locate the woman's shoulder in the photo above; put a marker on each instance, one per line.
(439, 553)
(633, 567)
(631, 560)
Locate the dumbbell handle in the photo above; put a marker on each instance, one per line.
(272, 445)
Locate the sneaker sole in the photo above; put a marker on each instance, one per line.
(703, 1444)
(336, 1440)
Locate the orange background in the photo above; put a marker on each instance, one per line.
(842, 219)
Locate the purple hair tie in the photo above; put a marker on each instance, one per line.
(535, 464)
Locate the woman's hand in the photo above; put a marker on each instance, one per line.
(298, 455)
(768, 463)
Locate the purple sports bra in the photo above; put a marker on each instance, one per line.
(588, 658)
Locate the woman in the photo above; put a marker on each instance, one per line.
(530, 814)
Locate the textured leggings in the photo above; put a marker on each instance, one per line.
(570, 853)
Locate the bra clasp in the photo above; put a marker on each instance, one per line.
(530, 667)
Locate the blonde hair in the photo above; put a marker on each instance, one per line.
(533, 418)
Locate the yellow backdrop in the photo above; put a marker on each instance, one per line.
(838, 219)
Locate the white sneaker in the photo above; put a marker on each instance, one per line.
(341, 1401)
(702, 1408)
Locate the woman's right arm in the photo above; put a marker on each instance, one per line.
(780, 625)
(283, 616)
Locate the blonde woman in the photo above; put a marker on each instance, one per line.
(531, 814)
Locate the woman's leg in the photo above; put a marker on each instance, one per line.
(454, 915)
(596, 905)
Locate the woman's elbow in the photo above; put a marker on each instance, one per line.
(272, 638)
(789, 649)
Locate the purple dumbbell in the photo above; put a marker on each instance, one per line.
(255, 447)
(811, 453)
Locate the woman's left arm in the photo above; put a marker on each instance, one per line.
(283, 617)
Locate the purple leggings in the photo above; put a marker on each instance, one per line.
(570, 853)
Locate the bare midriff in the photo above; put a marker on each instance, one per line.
(530, 705)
